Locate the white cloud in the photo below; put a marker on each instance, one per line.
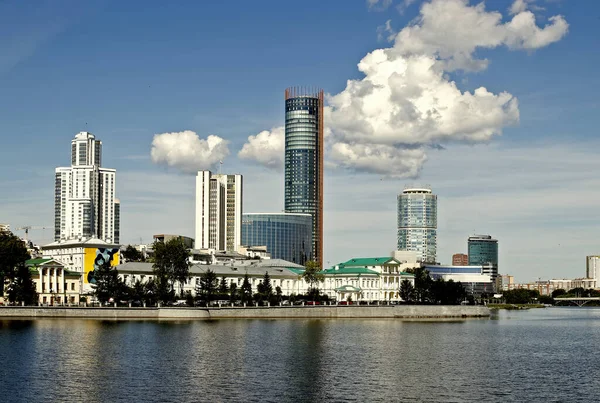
(406, 102)
(518, 7)
(386, 32)
(379, 159)
(187, 152)
(404, 5)
(266, 148)
(378, 5)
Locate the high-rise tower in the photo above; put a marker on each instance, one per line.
(304, 159)
(218, 211)
(85, 204)
(417, 222)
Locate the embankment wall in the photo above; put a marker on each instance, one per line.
(325, 312)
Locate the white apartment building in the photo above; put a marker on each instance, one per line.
(85, 204)
(592, 267)
(218, 211)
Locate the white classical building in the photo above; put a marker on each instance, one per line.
(83, 257)
(218, 211)
(85, 204)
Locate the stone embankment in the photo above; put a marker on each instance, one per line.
(322, 312)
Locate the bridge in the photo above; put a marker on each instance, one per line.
(579, 301)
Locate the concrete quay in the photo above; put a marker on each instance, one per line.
(277, 312)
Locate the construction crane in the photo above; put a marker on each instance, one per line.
(27, 228)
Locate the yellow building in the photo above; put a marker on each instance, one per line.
(54, 284)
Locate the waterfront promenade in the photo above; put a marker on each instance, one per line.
(189, 313)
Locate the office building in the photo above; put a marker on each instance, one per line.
(417, 222)
(287, 236)
(304, 160)
(85, 204)
(483, 251)
(218, 211)
(460, 259)
(164, 238)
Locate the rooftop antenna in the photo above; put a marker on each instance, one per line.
(220, 165)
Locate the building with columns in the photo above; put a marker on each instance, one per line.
(54, 284)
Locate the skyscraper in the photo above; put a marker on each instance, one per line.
(218, 211)
(417, 223)
(304, 159)
(85, 204)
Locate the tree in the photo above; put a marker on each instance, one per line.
(313, 276)
(267, 287)
(278, 293)
(13, 254)
(423, 284)
(246, 290)
(108, 284)
(223, 289)
(171, 264)
(407, 291)
(22, 287)
(131, 254)
(233, 292)
(520, 296)
(208, 285)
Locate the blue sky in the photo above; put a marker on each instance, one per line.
(126, 71)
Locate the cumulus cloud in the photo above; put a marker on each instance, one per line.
(187, 152)
(266, 148)
(406, 102)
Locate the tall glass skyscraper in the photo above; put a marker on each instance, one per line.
(483, 251)
(287, 236)
(304, 159)
(417, 223)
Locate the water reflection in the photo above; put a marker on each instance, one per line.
(519, 356)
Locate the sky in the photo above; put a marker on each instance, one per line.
(493, 104)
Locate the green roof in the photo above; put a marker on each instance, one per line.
(344, 271)
(370, 261)
(37, 262)
(296, 270)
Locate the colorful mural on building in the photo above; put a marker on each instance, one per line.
(96, 257)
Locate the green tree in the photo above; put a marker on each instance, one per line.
(407, 291)
(267, 287)
(233, 292)
(223, 289)
(22, 287)
(208, 285)
(278, 294)
(108, 285)
(520, 296)
(313, 276)
(171, 264)
(13, 255)
(131, 254)
(558, 293)
(423, 285)
(246, 292)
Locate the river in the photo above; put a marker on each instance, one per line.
(532, 355)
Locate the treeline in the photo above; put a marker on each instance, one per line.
(429, 291)
(16, 283)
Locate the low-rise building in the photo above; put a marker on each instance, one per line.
(475, 279)
(54, 284)
(187, 241)
(460, 259)
(83, 256)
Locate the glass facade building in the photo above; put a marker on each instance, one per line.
(417, 223)
(304, 160)
(287, 236)
(483, 250)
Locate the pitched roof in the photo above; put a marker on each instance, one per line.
(42, 261)
(346, 271)
(370, 261)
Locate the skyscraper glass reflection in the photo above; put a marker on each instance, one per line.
(287, 236)
(417, 223)
(304, 160)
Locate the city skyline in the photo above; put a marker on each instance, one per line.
(527, 188)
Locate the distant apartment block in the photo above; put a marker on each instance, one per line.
(460, 259)
(592, 267)
(4, 228)
(85, 203)
(187, 241)
(218, 211)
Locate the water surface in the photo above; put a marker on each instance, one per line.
(535, 355)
